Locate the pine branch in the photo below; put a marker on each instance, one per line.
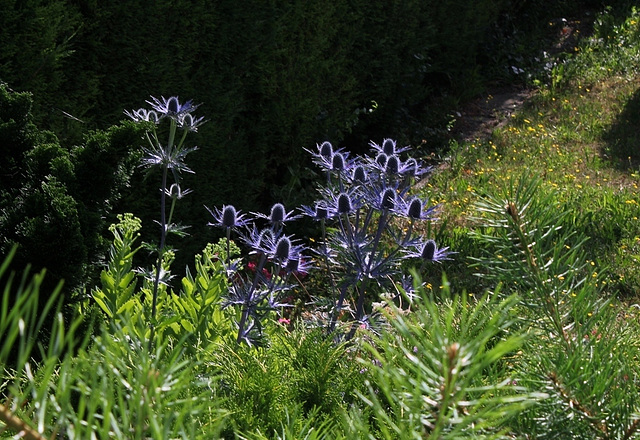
(15, 423)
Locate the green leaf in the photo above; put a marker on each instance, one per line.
(126, 307)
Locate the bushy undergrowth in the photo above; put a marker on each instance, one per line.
(533, 332)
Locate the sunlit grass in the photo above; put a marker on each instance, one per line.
(579, 134)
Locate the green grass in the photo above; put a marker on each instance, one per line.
(583, 143)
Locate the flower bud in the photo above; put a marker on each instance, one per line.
(283, 247)
(393, 164)
(388, 147)
(277, 213)
(229, 216)
(415, 209)
(359, 174)
(337, 161)
(326, 150)
(429, 250)
(344, 204)
(389, 199)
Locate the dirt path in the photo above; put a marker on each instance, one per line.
(480, 117)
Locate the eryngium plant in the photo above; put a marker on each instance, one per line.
(258, 292)
(371, 212)
(169, 156)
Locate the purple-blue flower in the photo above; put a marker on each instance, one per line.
(388, 147)
(227, 217)
(415, 209)
(428, 251)
(189, 122)
(143, 114)
(172, 107)
(319, 212)
(278, 215)
(331, 160)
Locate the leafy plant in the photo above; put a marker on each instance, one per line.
(105, 385)
(193, 312)
(298, 383)
(582, 352)
(441, 372)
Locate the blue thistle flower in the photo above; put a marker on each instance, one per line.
(176, 192)
(359, 174)
(428, 251)
(388, 147)
(143, 115)
(227, 217)
(326, 150)
(415, 209)
(388, 199)
(283, 249)
(189, 122)
(381, 160)
(319, 212)
(171, 107)
(392, 166)
(278, 216)
(171, 158)
(298, 264)
(343, 204)
(261, 241)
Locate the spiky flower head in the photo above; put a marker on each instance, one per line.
(428, 251)
(338, 162)
(172, 158)
(283, 249)
(227, 217)
(388, 199)
(388, 147)
(176, 192)
(260, 241)
(415, 209)
(298, 264)
(381, 160)
(172, 107)
(359, 174)
(343, 204)
(143, 115)
(278, 215)
(319, 212)
(189, 122)
(393, 165)
(326, 150)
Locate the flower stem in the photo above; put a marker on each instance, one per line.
(163, 235)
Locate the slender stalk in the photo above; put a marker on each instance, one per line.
(247, 303)
(163, 235)
(363, 288)
(540, 277)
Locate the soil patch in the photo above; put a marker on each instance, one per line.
(480, 117)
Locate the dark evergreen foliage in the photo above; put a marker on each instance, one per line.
(55, 202)
(272, 76)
